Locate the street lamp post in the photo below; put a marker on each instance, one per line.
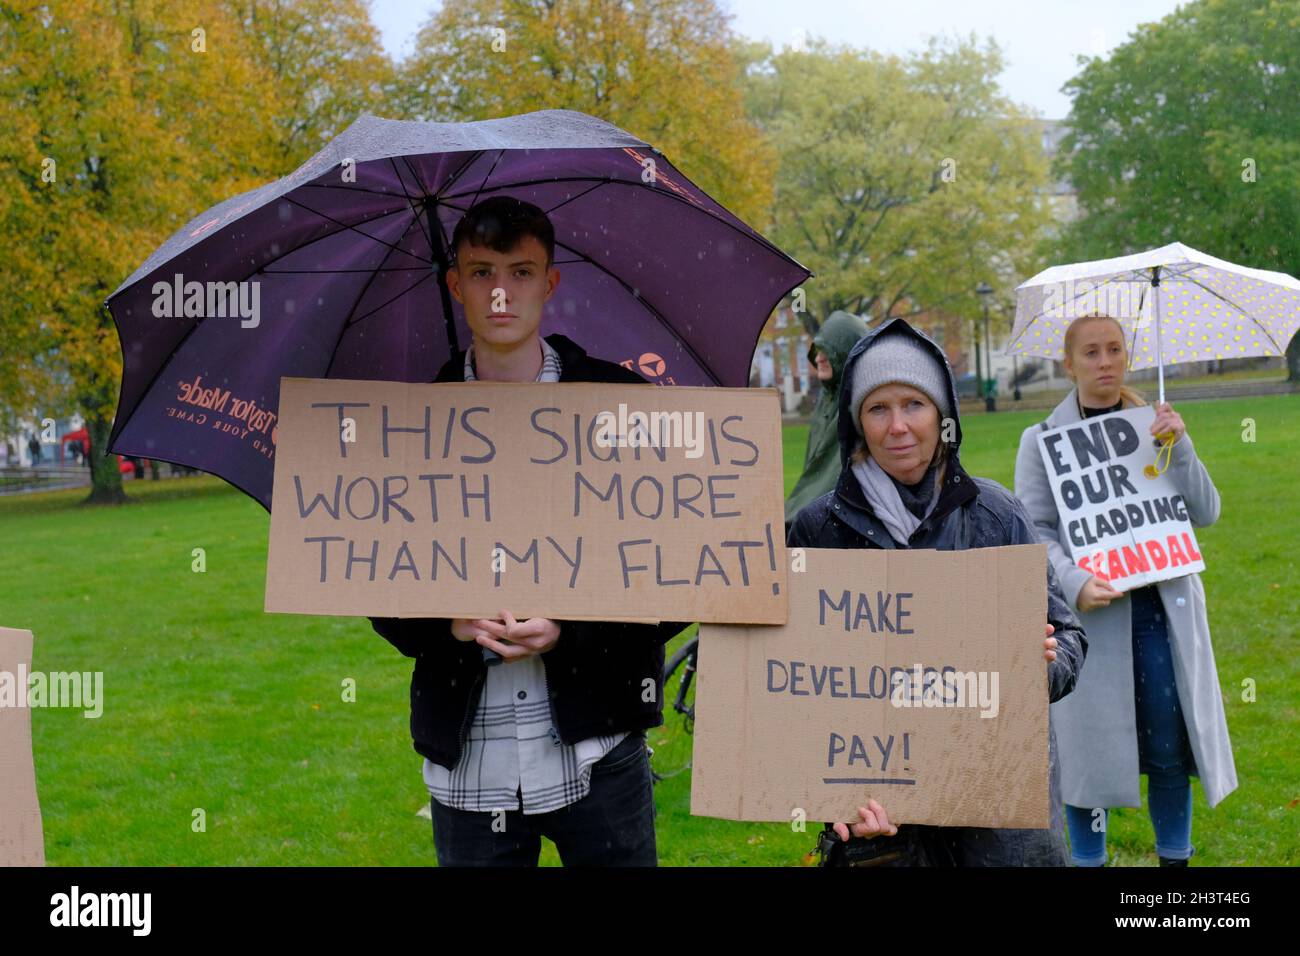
(984, 290)
(1015, 366)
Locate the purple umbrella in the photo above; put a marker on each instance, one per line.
(336, 271)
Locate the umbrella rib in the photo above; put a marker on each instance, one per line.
(415, 213)
(353, 228)
(162, 366)
(1132, 346)
(469, 161)
(546, 181)
(349, 189)
(1244, 313)
(1078, 295)
(343, 328)
(288, 252)
(405, 159)
(361, 318)
(330, 272)
(594, 187)
(651, 309)
(496, 162)
(752, 235)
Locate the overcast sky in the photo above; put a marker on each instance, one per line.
(1040, 38)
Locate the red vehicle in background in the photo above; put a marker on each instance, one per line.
(80, 439)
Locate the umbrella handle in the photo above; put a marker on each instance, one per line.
(1160, 352)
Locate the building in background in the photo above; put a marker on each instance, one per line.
(781, 360)
(15, 450)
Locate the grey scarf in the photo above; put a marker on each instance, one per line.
(882, 494)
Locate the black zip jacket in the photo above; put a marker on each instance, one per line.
(595, 673)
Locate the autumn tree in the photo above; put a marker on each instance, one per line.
(663, 70)
(122, 120)
(326, 62)
(129, 119)
(902, 182)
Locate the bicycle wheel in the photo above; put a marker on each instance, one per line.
(673, 742)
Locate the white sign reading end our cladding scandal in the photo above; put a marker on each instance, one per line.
(1122, 522)
(572, 501)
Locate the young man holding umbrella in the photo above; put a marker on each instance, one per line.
(551, 742)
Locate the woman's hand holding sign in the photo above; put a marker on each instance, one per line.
(510, 638)
(1097, 593)
(1049, 645)
(874, 823)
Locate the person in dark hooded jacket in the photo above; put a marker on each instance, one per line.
(821, 464)
(901, 485)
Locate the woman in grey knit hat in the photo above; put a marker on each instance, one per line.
(901, 485)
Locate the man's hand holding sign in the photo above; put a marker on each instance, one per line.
(510, 638)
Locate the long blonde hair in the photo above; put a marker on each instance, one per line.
(1129, 396)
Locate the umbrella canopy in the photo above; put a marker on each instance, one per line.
(1176, 304)
(337, 272)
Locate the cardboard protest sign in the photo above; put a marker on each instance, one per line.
(912, 677)
(1122, 521)
(21, 840)
(566, 500)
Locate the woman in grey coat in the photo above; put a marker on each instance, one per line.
(1148, 699)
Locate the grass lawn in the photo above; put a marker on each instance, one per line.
(213, 705)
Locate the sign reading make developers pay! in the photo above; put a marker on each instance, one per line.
(567, 500)
(912, 677)
(1124, 522)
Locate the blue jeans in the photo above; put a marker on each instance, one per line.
(613, 825)
(1164, 753)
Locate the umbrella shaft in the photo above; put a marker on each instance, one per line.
(441, 264)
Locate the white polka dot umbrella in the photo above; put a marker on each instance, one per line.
(1175, 304)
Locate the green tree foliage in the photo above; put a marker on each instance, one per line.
(902, 182)
(327, 64)
(1190, 132)
(663, 70)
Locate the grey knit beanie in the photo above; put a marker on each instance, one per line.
(898, 359)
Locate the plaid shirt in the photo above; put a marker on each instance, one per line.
(513, 753)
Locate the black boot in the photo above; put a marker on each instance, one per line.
(1165, 861)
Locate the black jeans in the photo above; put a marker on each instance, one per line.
(613, 825)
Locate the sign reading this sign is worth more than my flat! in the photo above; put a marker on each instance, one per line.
(915, 678)
(565, 500)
